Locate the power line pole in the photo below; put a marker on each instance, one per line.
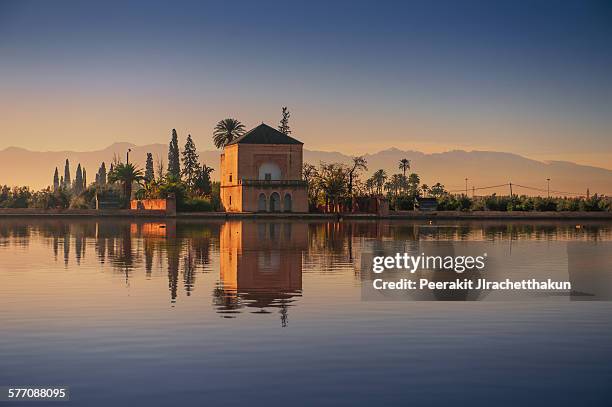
(466, 186)
(510, 189)
(473, 191)
(548, 186)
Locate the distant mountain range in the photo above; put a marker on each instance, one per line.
(482, 168)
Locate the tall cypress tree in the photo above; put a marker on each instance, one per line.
(66, 182)
(102, 174)
(190, 161)
(78, 180)
(56, 181)
(84, 179)
(149, 171)
(174, 160)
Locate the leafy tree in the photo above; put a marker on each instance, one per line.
(333, 182)
(226, 131)
(174, 164)
(67, 175)
(284, 123)
(311, 176)
(437, 190)
(190, 162)
(127, 174)
(202, 184)
(359, 163)
(160, 168)
(56, 181)
(149, 172)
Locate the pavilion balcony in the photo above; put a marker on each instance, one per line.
(262, 183)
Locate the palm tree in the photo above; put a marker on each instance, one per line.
(127, 174)
(379, 178)
(425, 189)
(369, 184)
(404, 165)
(226, 131)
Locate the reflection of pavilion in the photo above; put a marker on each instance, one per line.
(260, 265)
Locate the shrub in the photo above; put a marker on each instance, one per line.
(197, 204)
(404, 203)
(17, 197)
(545, 204)
(47, 199)
(454, 203)
(78, 202)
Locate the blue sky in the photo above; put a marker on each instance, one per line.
(527, 77)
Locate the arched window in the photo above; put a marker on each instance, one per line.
(275, 203)
(261, 203)
(287, 203)
(269, 171)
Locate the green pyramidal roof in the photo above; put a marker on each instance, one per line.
(264, 134)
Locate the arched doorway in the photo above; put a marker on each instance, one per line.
(287, 205)
(261, 203)
(275, 202)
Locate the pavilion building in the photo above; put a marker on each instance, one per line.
(261, 171)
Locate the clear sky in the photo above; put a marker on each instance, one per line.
(534, 78)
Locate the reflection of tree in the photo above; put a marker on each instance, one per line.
(66, 248)
(225, 301)
(201, 250)
(55, 247)
(189, 270)
(173, 258)
(149, 251)
(284, 314)
(171, 247)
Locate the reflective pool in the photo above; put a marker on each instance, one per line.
(196, 312)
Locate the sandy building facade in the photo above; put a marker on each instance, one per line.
(261, 171)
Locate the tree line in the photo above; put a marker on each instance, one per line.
(338, 186)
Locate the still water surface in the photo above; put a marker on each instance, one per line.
(203, 313)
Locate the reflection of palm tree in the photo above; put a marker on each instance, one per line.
(226, 131)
